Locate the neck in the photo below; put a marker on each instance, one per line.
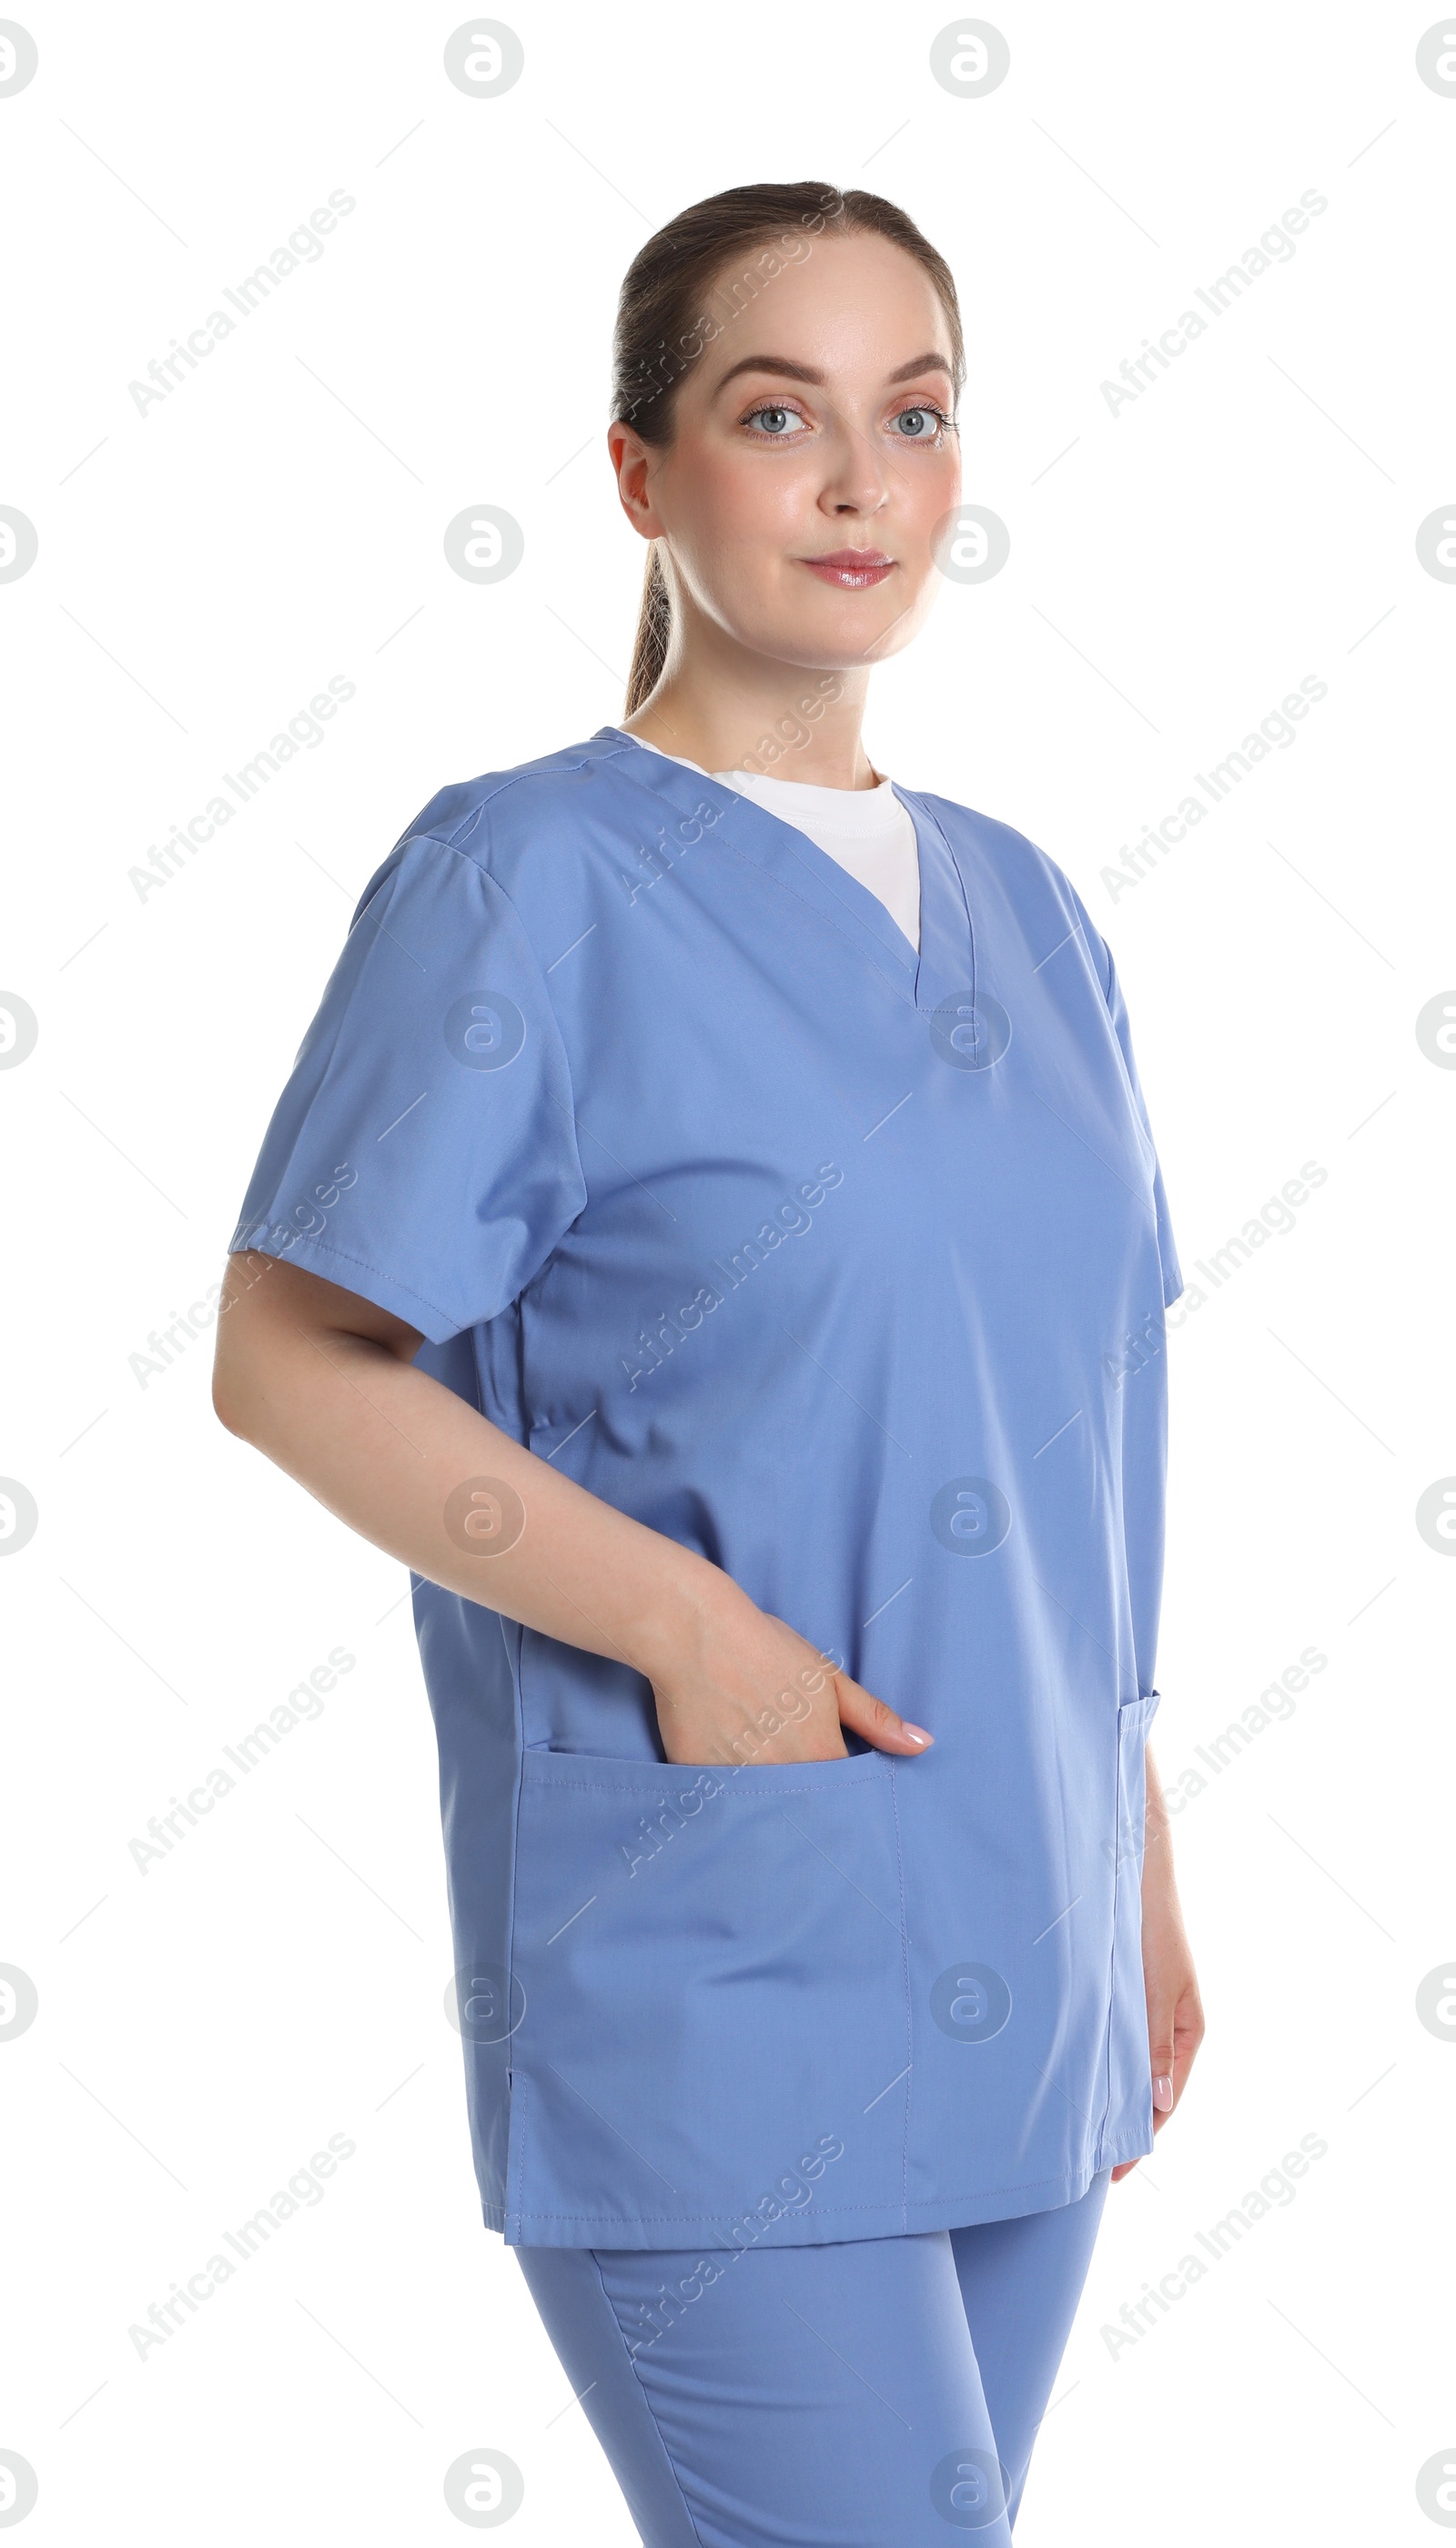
(726, 709)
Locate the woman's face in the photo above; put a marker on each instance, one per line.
(813, 459)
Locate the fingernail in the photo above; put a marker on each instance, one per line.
(917, 1733)
(1162, 2095)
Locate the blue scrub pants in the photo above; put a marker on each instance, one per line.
(878, 2393)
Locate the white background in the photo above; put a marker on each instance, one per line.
(1176, 569)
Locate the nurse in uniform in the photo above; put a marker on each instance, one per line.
(712, 1235)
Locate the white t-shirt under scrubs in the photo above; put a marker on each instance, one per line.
(866, 829)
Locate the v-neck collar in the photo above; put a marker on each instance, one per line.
(942, 970)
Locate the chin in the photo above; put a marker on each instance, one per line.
(843, 634)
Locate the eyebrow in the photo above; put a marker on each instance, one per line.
(790, 371)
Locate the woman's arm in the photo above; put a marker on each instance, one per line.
(1175, 2020)
(323, 1382)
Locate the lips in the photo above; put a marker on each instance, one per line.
(853, 570)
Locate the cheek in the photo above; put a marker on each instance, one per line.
(733, 523)
(726, 489)
(928, 489)
(745, 501)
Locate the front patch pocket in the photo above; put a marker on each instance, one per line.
(714, 2020)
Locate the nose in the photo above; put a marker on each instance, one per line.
(856, 480)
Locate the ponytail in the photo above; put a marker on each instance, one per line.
(654, 629)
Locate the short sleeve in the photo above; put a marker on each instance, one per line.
(1102, 956)
(423, 1151)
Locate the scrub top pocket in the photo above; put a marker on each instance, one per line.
(673, 1921)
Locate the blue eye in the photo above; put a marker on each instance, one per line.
(782, 415)
(911, 426)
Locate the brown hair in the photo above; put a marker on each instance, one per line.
(664, 322)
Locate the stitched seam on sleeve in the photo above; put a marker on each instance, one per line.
(321, 1248)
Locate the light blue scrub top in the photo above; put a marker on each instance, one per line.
(848, 1270)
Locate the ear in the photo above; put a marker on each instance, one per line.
(631, 458)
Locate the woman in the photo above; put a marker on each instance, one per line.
(712, 1235)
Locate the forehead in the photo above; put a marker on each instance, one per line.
(855, 308)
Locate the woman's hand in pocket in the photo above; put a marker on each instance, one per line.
(741, 1687)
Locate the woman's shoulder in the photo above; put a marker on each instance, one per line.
(502, 806)
(524, 825)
